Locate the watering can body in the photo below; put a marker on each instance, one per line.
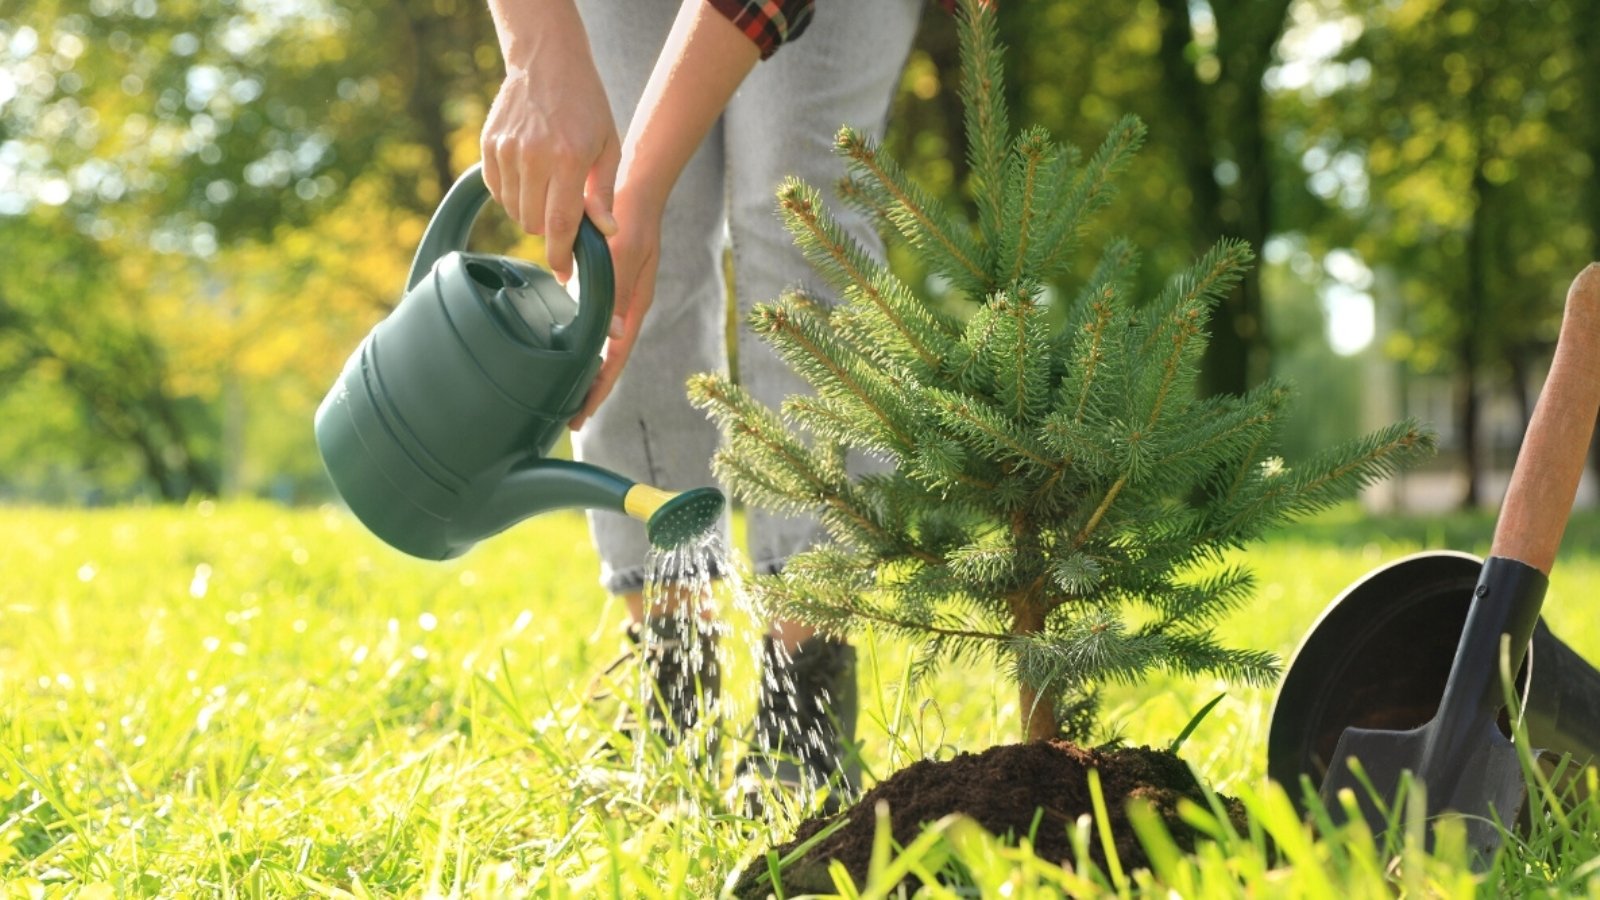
(437, 430)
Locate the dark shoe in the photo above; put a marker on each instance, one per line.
(805, 725)
(679, 682)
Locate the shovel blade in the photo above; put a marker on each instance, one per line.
(1371, 764)
(1483, 781)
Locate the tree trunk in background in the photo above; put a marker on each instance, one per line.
(938, 36)
(1474, 303)
(1468, 406)
(145, 419)
(428, 86)
(1221, 123)
(1521, 378)
(1585, 35)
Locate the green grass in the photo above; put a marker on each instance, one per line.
(246, 700)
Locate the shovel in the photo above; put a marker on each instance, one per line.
(1460, 758)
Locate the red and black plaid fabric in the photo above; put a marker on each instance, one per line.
(771, 23)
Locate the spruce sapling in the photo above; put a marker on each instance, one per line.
(1060, 499)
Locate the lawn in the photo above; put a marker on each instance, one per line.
(248, 700)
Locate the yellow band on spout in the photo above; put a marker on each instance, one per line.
(642, 501)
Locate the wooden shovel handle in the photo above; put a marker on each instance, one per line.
(1544, 480)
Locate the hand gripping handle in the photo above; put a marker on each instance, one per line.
(452, 222)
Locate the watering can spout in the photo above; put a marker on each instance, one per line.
(536, 485)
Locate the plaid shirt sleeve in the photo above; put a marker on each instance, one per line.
(770, 23)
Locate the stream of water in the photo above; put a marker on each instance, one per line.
(700, 613)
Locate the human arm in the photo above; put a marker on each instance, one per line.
(549, 145)
(705, 59)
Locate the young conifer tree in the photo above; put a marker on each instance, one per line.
(1060, 499)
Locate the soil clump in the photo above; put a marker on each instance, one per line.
(1004, 789)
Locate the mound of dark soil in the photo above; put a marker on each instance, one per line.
(1003, 789)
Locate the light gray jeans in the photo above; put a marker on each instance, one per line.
(843, 70)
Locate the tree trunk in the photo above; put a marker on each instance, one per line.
(1585, 34)
(1474, 298)
(1225, 122)
(1468, 406)
(427, 95)
(1252, 199)
(1038, 715)
(1475, 301)
(1520, 378)
(937, 37)
(1038, 708)
(147, 422)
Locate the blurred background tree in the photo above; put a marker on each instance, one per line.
(204, 204)
(1453, 167)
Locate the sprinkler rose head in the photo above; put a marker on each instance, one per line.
(672, 520)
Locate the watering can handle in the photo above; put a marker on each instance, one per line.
(1545, 478)
(452, 222)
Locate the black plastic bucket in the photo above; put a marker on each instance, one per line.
(1379, 655)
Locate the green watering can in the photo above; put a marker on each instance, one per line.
(437, 430)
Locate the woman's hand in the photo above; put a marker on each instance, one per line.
(703, 62)
(549, 145)
(635, 253)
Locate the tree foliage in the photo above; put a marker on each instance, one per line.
(249, 179)
(1061, 496)
(1361, 155)
(211, 201)
(1449, 155)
